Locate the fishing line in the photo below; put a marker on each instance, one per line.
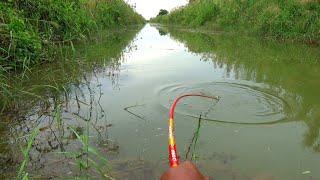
(173, 155)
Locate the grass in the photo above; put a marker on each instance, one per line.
(3, 88)
(92, 157)
(89, 161)
(291, 19)
(43, 51)
(51, 79)
(22, 174)
(49, 85)
(28, 29)
(34, 33)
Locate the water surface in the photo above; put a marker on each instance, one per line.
(265, 125)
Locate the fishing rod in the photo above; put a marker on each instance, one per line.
(173, 155)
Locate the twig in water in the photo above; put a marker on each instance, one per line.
(130, 112)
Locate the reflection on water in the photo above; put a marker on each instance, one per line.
(292, 71)
(117, 92)
(70, 94)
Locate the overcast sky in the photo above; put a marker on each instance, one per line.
(150, 8)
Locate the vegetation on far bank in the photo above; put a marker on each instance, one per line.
(282, 19)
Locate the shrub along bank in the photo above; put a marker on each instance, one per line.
(283, 19)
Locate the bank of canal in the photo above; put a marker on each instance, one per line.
(266, 123)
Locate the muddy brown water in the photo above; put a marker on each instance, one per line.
(266, 124)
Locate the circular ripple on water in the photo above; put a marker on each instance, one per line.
(239, 103)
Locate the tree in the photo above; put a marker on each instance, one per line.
(163, 12)
(192, 1)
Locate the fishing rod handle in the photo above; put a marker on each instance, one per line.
(173, 155)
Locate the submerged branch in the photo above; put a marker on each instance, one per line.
(134, 114)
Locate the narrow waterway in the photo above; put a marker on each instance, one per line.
(265, 125)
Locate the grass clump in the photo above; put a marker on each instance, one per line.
(93, 158)
(293, 19)
(19, 43)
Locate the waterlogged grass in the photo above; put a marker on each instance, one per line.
(93, 159)
(22, 174)
(294, 19)
(87, 159)
(48, 87)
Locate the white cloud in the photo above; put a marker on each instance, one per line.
(150, 8)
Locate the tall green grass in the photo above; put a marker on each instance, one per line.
(28, 28)
(294, 19)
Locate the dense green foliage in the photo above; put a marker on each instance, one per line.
(163, 12)
(29, 27)
(295, 19)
